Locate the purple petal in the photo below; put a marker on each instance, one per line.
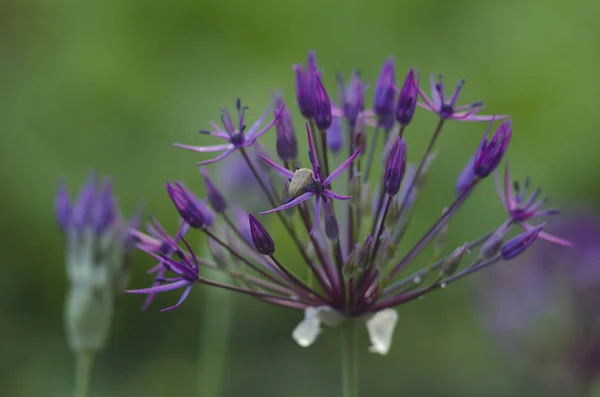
(317, 215)
(252, 133)
(183, 296)
(205, 149)
(499, 190)
(333, 195)
(218, 158)
(435, 95)
(159, 288)
(469, 116)
(279, 169)
(294, 202)
(341, 168)
(547, 236)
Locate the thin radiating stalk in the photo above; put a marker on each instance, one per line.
(217, 309)
(84, 365)
(349, 337)
(371, 154)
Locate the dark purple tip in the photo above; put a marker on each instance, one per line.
(490, 153)
(262, 240)
(105, 208)
(215, 198)
(408, 98)
(83, 208)
(187, 205)
(322, 115)
(62, 206)
(335, 136)
(287, 146)
(394, 171)
(354, 99)
(519, 244)
(383, 102)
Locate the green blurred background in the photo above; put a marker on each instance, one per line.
(112, 84)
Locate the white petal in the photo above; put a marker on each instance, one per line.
(307, 331)
(381, 329)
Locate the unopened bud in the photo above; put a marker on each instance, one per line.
(451, 262)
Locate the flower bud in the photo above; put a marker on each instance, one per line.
(466, 177)
(322, 114)
(408, 98)
(383, 102)
(215, 198)
(262, 240)
(519, 244)
(287, 146)
(394, 170)
(187, 205)
(335, 136)
(353, 99)
(490, 153)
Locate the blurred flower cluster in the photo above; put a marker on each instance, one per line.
(355, 271)
(543, 309)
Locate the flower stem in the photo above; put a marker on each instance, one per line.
(84, 364)
(350, 358)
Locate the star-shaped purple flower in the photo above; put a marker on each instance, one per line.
(316, 186)
(446, 108)
(521, 209)
(237, 137)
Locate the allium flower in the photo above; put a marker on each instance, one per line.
(97, 260)
(446, 107)
(543, 309)
(238, 137)
(357, 274)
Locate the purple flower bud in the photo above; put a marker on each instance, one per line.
(62, 206)
(490, 153)
(394, 171)
(466, 177)
(519, 244)
(335, 135)
(105, 208)
(287, 147)
(215, 198)
(306, 85)
(332, 229)
(354, 99)
(408, 98)
(322, 115)
(262, 240)
(82, 211)
(187, 205)
(383, 102)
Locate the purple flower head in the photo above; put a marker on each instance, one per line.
(490, 154)
(262, 240)
(446, 108)
(353, 99)
(237, 137)
(335, 136)
(106, 210)
(394, 172)
(84, 206)
(306, 85)
(287, 147)
(326, 234)
(316, 185)
(184, 267)
(408, 98)
(190, 208)
(215, 198)
(385, 92)
(522, 208)
(519, 244)
(322, 114)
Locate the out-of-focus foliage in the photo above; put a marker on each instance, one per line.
(111, 84)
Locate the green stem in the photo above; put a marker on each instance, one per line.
(350, 358)
(84, 364)
(214, 338)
